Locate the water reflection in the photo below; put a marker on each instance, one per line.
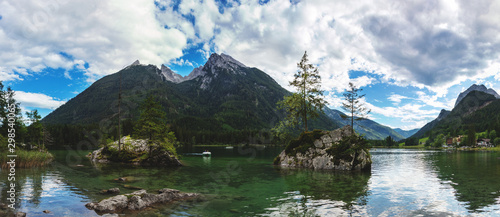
(45, 188)
(323, 193)
(206, 160)
(242, 183)
(473, 175)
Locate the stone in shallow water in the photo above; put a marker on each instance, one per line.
(138, 200)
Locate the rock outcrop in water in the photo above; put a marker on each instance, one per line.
(139, 200)
(136, 151)
(326, 150)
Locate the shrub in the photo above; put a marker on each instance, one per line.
(303, 143)
(347, 146)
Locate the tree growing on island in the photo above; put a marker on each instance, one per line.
(305, 104)
(152, 123)
(352, 104)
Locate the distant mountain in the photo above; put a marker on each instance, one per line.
(222, 101)
(369, 128)
(477, 109)
(480, 88)
(406, 133)
(420, 133)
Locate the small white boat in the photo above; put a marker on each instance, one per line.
(207, 153)
(229, 147)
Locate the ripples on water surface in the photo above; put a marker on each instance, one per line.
(242, 182)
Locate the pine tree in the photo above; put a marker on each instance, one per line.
(308, 102)
(353, 105)
(151, 124)
(35, 129)
(7, 99)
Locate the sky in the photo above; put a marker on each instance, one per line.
(411, 58)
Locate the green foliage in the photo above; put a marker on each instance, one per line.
(124, 155)
(496, 141)
(11, 108)
(477, 109)
(389, 141)
(151, 123)
(168, 144)
(35, 129)
(307, 102)
(439, 141)
(493, 135)
(25, 158)
(411, 141)
(471, 136)
(353, 105)
(304, 142)
(347, 146)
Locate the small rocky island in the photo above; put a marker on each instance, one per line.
(139, 200)
(326, 150)
(136, 151)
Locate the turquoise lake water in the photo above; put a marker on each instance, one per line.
(242, 182)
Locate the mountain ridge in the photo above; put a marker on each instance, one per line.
(223, 95)
(458, 120)
(476, 87)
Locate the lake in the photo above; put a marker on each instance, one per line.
(242, 182)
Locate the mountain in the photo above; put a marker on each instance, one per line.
(222, 101)
(406, 133)
(480, 88)
(420, 133)
(367, 127)
(477, 109)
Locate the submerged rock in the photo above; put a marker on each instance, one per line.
(135, 151)
(138, 200)
(20, 214)
(111, 191)
(322, 150)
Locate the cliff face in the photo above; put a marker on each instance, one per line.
(327, 151)
(475, 87)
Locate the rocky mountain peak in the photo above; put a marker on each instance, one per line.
(169, 75)
(443, 114)
(223, 61)
(476, 87)
(195, 73)
(136, 62)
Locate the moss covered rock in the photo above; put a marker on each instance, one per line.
(136, 151)
(330, 150)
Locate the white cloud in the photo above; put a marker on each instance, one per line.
(396, 98)
(411, 115)
(432, 45)
(37, 100)
(108, 35)
(426, 44)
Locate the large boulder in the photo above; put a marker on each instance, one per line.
(139, 200)
(135, 151)
(325, 150)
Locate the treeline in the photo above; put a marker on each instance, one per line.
(91, 136)
(387, 142)
(15, 129)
